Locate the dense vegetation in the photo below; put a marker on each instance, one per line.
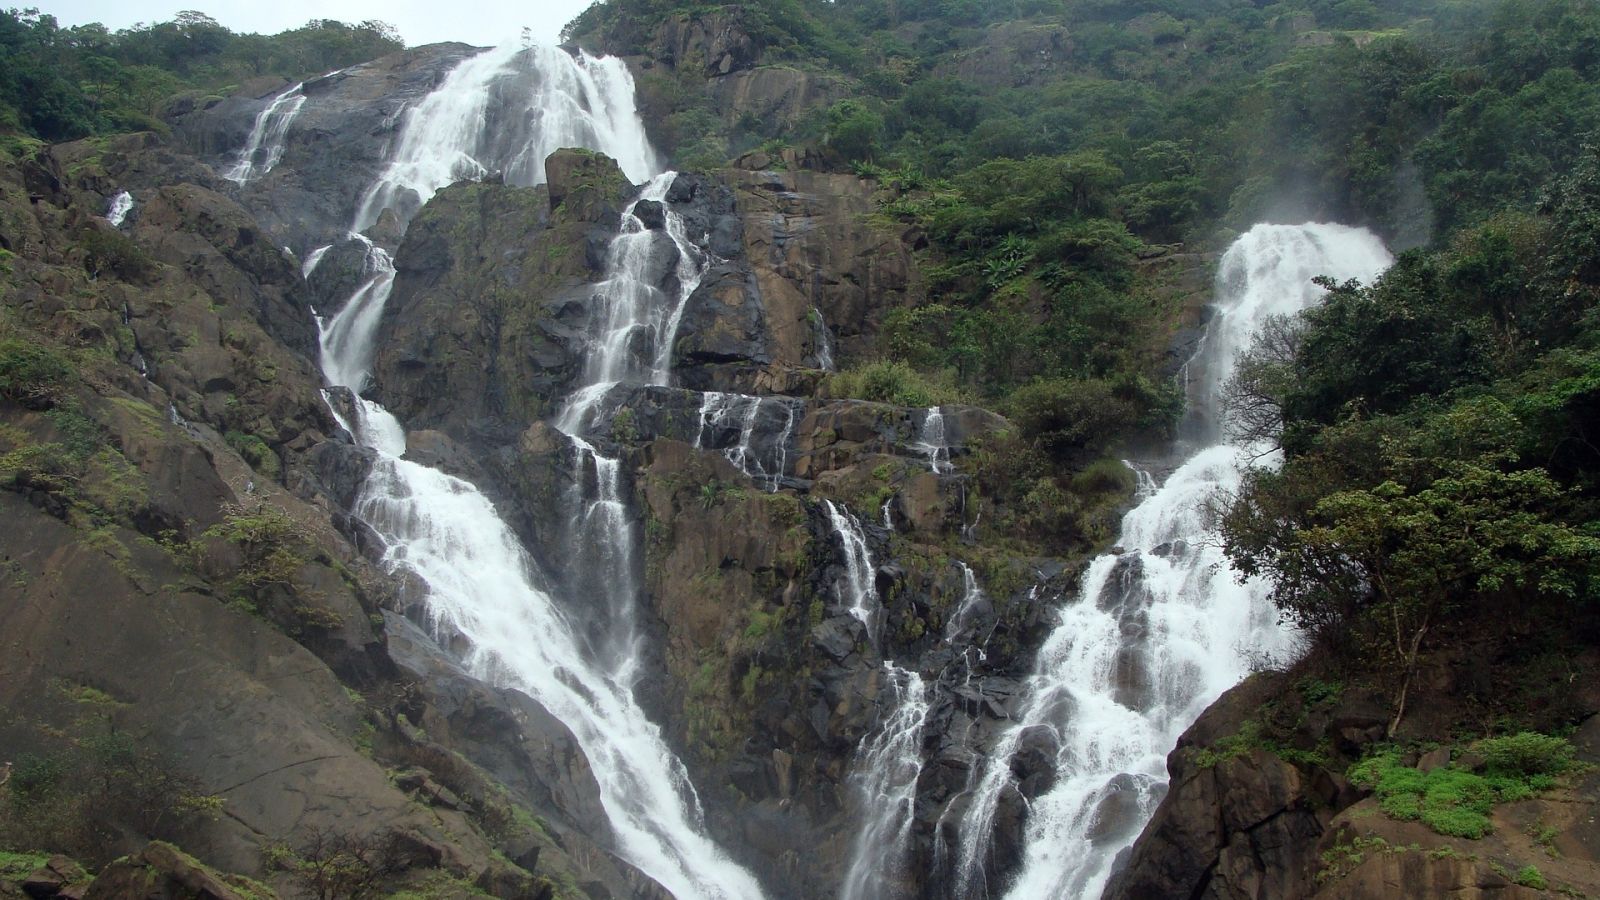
(1441, 465)
(1042, 144)
(1442, 476)
(58, 83)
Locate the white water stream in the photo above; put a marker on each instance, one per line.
(757, 452)
(637, 320)
(931, 441)
(885, 778)
(481, 584)
(264, 147)
(1161, 629)
(503, 112)
(121, 205)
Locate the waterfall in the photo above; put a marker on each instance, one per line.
(481, 584)
(346, 340)
(858, 588)
(767, 463)
(1159, 631)
(267, 136)
(971, 596)
(504, 111)
(931, 441)
(824, 348)
(637, 320)
(313, 259)
(889, 760)
(121, 205)
(885, 777)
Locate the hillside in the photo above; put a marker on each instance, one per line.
(801, 449)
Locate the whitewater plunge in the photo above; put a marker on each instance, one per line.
(503, 112)
(481, 583)
(1163, 626)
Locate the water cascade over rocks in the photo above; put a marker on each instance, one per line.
(264, 147)
(638, 319)
(856, 589)
(885, 779)
(503, 112)
(743, 427)
(121, 205)
(482, 585)
(931, 441)
(1160, 629)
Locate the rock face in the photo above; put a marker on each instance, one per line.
(1241, 821)
(181, 575)
(336, 146)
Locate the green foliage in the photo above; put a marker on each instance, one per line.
(1529, 876)
(65, 83)
(32, 374)
(95, 784)
(17, 866)
(853, 130)
(889, 382)
(1526, 754)
(623, 428)
(255, 452)
(1440, 464)
(1456, 802)
(1076, 420)
(272, 549)
(107, 251)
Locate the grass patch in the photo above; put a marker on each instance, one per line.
(890, 382)
(32, 375)
(1457, 802)
(15, 866)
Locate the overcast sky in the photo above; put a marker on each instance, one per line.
(481, 22)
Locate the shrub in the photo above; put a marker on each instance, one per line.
(1071, 419)
(889, 382)
(1529, 876)
(1457, 802)
(1526, 754)
(255, 451)
(32, 375)
(108, 251)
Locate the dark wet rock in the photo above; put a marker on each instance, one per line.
(651, 214)
(336, 146)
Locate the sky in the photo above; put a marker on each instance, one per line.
(488, 22)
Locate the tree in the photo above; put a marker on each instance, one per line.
(1442, 523)
(854, 130)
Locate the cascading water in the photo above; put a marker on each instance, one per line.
(1161, 629)
(481, 584)
(971, 596)
(931, 441)
(766, 461)
(346, 339)
(504, 111)
(314, 259)
(638, 319)
(121, 205)
(889, 759)
(885, 776)
(858, 588)
(267, 136)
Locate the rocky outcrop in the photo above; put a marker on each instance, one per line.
(777, 96)
(808, 289)
(1241, 820)
(336, 147)
(181, 579)
(1013, 55)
